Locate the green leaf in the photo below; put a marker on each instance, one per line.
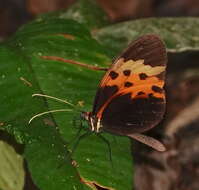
(11, 172)
(24, 72)
(179, 34)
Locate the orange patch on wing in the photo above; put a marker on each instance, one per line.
(138, 85)
(142, 86)
(129, 71)
(135, 79)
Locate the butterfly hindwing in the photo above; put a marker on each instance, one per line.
(131, 97)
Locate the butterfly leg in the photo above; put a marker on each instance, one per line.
(77, 126)
(109, 146)
(76, 136)
(79, 139)
(92, 67)
(68, 156)
(115, 140)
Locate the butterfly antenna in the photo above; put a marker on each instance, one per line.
(54, 98)
(47, 112)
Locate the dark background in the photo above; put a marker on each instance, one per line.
(14, 13)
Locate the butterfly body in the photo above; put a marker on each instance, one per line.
(130, 98)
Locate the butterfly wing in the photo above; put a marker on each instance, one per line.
(130, 97)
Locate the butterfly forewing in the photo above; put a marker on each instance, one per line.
(130, 97)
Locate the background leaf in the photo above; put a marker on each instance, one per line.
(12, 171)
(86, 12)
(179, 34)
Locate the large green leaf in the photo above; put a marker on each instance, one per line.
(179, 34)
(24, 72)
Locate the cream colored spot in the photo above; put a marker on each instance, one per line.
(137, 67)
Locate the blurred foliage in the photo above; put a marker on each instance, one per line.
(179, 34)
(11, 172)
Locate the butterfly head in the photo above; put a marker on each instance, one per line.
(94, 122)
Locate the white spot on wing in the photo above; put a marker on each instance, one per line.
(137, 67)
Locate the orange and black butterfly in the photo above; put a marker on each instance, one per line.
(131, 97)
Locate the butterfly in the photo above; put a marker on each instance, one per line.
(130, 98)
